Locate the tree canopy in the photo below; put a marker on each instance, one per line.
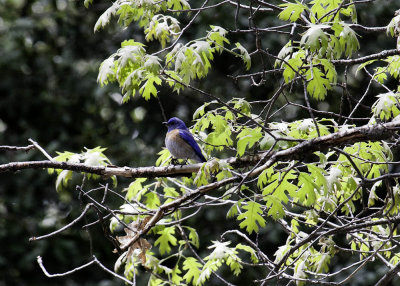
(294, 103)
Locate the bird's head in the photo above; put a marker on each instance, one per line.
(175, 123)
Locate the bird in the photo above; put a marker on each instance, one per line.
(180, 142)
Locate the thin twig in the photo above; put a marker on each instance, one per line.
(40, 149)
(16, 148)
(64, 227)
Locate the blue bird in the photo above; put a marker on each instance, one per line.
(180, 142)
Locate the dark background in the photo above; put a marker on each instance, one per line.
(49, 59)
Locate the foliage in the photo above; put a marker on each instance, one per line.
(310, 157)
(330, 185)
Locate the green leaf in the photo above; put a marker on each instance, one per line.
(350, 11)
(164, 156)
(154, 281)
(252, 218)
(321, 7)
(380, 74)
(171, 193)
(244, 55)
(193, 236)
(247, 138)
(392, 27)
(348, 40)
(175, 277)
(361, 66)
(193, 269)
(166, 239)
(330, 71)
(240, 104)
(283, 54)
(318, 84)
(248, 249)
(269, 140)
(282, 250)
(220, 136)
(306, 193)
(200, 111)
(148, 87)
(275, 193)
(63, 178)
(292, 11)
(234, 209)
(152, 200)
(210, 267)
(315, 38)
(264, 177)
(174, 80)
(152, 64)
(318, 175)
(135, 188)
(87, 3)
(95, 157)
(385, 107)
(235, 265)
(105, 18)
(106, 72)
(161, 28)
(218, 36)
(140, 11)
(68, 156)
(178, 4)
(274, 203)
(291, 68)
(393, 66)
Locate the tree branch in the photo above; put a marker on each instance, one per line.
(64, 227)
(16, 148)
(165, 208)
(358, 134)
(381, 55)
(385, 280)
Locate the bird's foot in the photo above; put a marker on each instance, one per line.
(175, 161)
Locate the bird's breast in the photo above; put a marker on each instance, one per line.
(177, 146)
(172, 136)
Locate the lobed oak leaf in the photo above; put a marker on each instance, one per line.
(140, 246)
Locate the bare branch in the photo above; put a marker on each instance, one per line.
(40, 262)
(381, 55)
(16, 148)
(93, 261)
(40, 149)
(64, 227)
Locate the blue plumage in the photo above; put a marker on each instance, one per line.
(180, 142)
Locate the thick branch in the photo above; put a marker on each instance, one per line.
(105, 171)
(357, 134)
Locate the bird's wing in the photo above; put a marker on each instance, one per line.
(188, 138)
